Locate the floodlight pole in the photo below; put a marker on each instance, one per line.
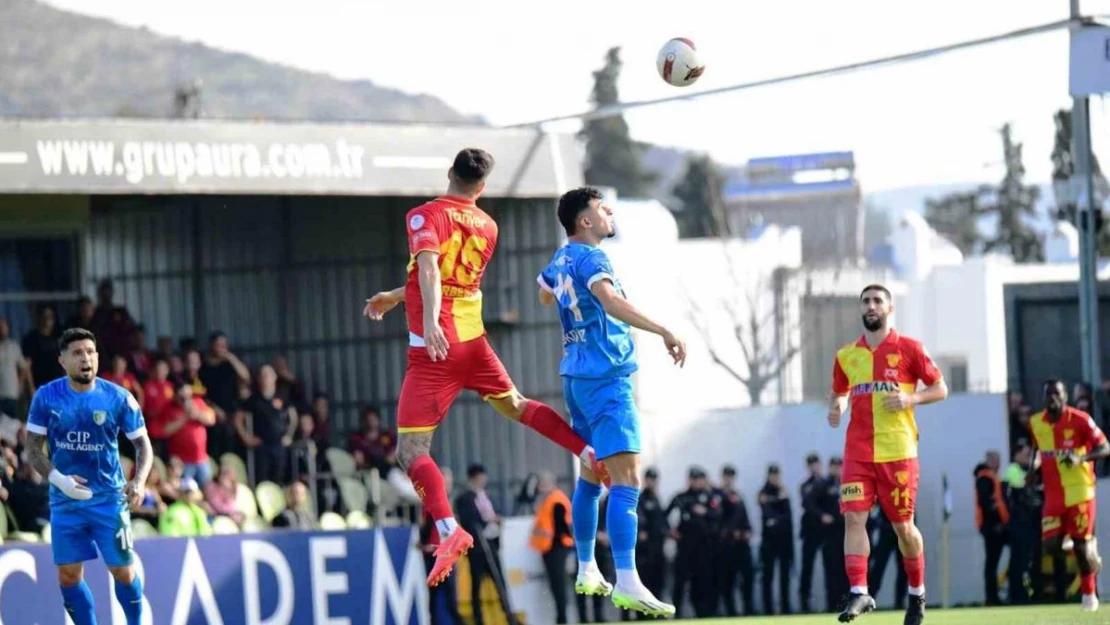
(1088, 245)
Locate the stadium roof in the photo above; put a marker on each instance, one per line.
(117, 156)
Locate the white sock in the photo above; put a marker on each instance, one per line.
(859, 590)
(585, 568)
(446, 526)
(917, 591)
(628, 579)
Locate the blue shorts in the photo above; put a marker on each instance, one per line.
(603, 412)
(77, 532)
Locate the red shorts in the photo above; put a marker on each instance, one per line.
(1076, 521)
(430, 387)
(893, 484)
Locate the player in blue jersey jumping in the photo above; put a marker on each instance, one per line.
(78, 418)
(598, 361)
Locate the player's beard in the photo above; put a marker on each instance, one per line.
(873, 325)
(83, 377)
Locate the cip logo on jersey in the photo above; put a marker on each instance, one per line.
(77, 440)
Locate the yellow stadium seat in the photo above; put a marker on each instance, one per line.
(224, 525)
(271, 500)
(331, 521)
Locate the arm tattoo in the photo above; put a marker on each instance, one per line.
(36, 454)
(144, 458)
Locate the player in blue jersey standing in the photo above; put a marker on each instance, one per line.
(78, 418)
(598, 361)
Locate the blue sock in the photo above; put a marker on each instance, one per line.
(78, 602)
(583, 514)
(130, 598)
(622, 520)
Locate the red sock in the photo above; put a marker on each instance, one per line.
(428, 482)
(1087, 584)
(915, 570)
(541, 418)
(856, 567)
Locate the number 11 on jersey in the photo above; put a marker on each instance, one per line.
(564, 286)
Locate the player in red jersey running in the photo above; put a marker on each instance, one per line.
(451, 241)
(1067, 442)
(881, 372)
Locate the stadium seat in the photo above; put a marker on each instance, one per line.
(24, 537)
(224, 525)
(342, 463)
(255, 526)
(236, 463)
(214, 467)
(271, 500)
(46, 533)
(245, 503)
(331, 521)
(359, 520)
(141, 528)
(353, 493)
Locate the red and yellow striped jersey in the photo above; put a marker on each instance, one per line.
(464, 236)
(898, 363)
(1076, 431)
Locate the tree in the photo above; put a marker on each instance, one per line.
(1063, 168)
(758, 330)
(1014, 204)
(956, 216)
(612, 160)
(703, 213)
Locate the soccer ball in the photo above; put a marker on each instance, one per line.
(678, 62)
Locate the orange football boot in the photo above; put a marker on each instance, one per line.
(448, 552)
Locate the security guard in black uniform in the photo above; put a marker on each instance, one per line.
(654, 529)
(700, 509)
(832, 549)
(777, 543)
(734, 557)
(813, 530)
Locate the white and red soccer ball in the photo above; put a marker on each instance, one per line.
(678, 62)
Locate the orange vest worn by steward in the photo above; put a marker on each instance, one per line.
(543, 531)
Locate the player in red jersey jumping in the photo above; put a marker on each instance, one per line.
(451, 241)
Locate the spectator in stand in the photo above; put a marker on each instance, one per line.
(177, 369)
(83, 318)
(191, 374)
(553, 539)
(165, 347)
(296, 515)
(321, 412)
(477, 515)
(186, 422)
(221, 374)
(221, 494)
(186, 517)
(273, 423)
(40, 348)
(158, 393)
(288, 385)
(371, 444)
(170, 487)
(152, 505)
(120, 375)
(111, 324)
(140, 359)
(29, 498)
(14, 373)
(304, 445)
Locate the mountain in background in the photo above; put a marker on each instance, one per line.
(55, 64)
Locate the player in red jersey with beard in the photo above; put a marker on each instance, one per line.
(880, 373)
(451, 241)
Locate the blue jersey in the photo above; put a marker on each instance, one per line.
(595, 345)
(82, 429)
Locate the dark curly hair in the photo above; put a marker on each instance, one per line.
(573, 203)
